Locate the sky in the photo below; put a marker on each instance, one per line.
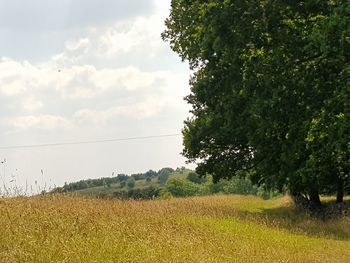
(84, 70)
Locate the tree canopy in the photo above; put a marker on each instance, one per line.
(270, 90)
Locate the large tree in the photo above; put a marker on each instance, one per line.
(269, 90)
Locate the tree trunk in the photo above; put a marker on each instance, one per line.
(340, 191)
(315, 200)
(301, 202)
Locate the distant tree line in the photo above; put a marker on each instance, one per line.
(121, 179)
(168, 183)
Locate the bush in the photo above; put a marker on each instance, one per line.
(267, 194)
(131, 182)
(138, 193)
(163, 176)
(164, 194)
(145, 193)
(181, 188)
(239, 186)
(194, 178)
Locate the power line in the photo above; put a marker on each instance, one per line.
(87, 142)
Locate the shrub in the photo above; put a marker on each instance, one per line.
(165, 195)
(267, 194)
(163, 176)
(181, 188)
(194, 178)
(145, 193)
(131, 182)
(241, 186)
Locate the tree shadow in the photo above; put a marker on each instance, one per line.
(288, 218)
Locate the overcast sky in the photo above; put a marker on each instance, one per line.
(77, 70)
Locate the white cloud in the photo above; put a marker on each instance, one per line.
(72, 45)
(40, 122)
(82, 82)
(116, 44)
(142, 33)
(32, 104)
(140, 110)
(76, 82)
(17, 78)
(11, 79)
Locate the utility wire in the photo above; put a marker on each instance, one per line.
(87, 142)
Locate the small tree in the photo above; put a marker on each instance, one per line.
(163, 176)
(148, 179)
(131, 183)
(182, 188)
(195, 178)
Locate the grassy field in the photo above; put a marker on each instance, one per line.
(201, 229)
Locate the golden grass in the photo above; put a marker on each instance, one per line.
(200, 229)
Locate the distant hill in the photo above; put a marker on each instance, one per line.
(165, 183)
(141, 185)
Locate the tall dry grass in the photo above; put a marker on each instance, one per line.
(200, 229)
